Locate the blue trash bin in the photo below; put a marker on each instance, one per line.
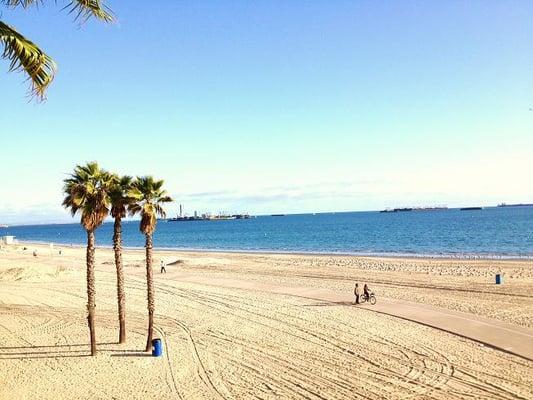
(157, 347)
(498, 279)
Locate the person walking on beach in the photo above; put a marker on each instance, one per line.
(357, 292)
(163, 269)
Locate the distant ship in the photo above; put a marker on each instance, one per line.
(516, 205)
(4, 226)
(277, 215)
(470, 208)
(440, 208)
(436, 208)
(390, 210)
(241, 216)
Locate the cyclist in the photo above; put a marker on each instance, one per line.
(366, 292)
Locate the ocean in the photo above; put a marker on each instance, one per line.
(496, 232)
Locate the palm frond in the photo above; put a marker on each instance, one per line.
(149, 197)
(160, 211)
(26, 56)
(134, 209)
(120, 196)
(23, 3)
(85, 9)
(87, 192)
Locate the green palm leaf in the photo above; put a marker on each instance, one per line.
(87, 192)
(149, 197)
(84, 9)
(26, 56)
(23, 3)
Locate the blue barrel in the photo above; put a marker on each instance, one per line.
(157, 347)
(498, 279)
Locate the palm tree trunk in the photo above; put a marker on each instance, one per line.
(121, 296)
(90, 289)
(150, 288)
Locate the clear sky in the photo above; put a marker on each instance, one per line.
(278, 106)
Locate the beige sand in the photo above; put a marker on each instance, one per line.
(233, 343)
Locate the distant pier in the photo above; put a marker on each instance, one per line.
(207, 217)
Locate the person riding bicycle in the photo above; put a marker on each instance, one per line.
(366, 292)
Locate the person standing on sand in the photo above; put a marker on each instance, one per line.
(357, 292)
(163, 270)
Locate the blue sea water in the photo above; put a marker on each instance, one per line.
(491, 232)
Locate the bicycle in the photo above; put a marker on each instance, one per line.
(371, 298)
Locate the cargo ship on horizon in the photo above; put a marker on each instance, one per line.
(404, 209)
(515, 205)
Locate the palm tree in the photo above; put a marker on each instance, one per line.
(24, 55)
(150, 199)
(120, 202)
(87, 192)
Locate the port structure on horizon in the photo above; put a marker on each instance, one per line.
(207, 216)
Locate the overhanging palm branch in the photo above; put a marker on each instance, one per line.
(24, 55)
(84, 9)
(23, 3)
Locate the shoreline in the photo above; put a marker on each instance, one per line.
(377, 255)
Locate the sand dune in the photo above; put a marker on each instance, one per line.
(225, 343)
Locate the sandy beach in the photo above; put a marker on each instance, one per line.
(226, 335)
(279, 159)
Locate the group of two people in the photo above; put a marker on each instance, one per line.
(357, 292)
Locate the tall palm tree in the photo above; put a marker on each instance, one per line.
(150, 199)
(24, 55)
(120, 202)
(87, 192)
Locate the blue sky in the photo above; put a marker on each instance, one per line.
(278, 106)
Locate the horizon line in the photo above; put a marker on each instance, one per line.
(414, 208)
